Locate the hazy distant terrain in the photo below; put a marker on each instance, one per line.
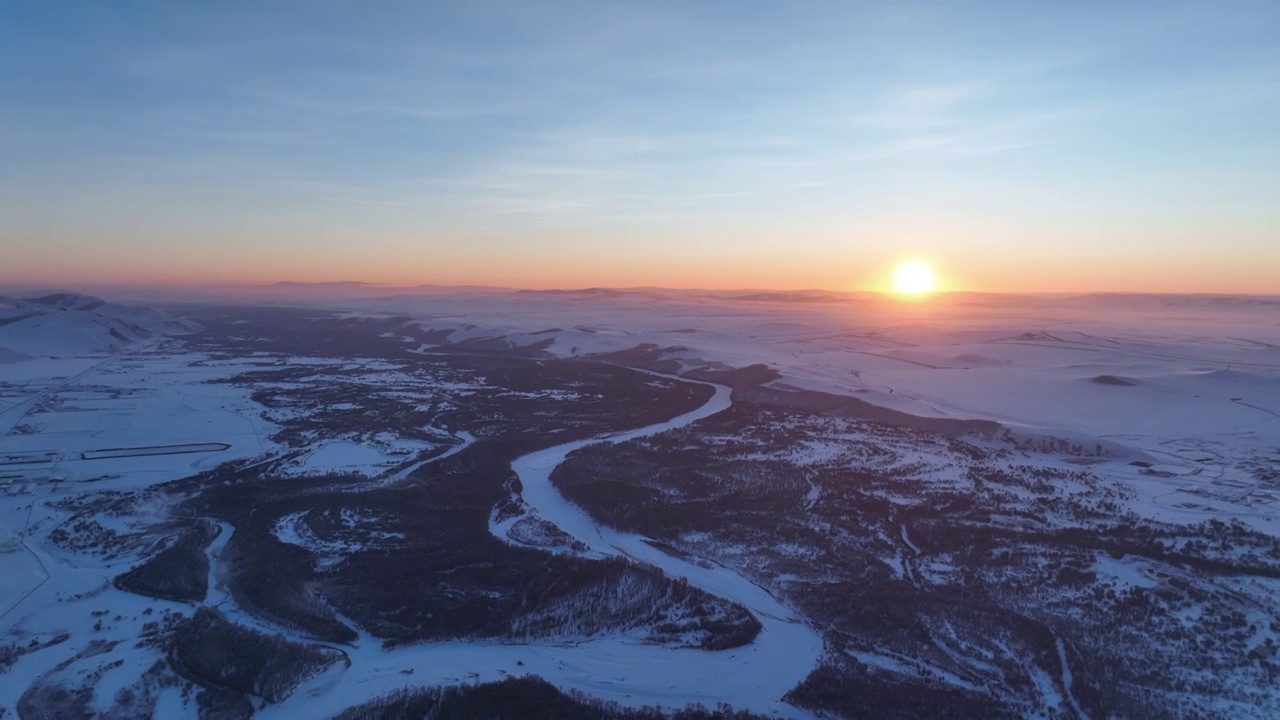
(799, 504)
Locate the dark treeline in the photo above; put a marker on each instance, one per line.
(524, 698)
(180, 572)
(213, 652)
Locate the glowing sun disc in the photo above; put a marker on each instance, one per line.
(913, 278)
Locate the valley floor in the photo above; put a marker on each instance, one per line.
(1003, 511)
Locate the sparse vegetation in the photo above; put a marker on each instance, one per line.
(956, 566)
(11, 652)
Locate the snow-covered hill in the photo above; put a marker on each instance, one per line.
(65, 324)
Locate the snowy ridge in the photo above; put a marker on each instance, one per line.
(69, 324)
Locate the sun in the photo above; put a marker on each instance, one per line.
(914, 278)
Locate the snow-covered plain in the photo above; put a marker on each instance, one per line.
(140, 396)
(1191, 383)
(1189, 386)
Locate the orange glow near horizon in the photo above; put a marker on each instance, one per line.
(823, 265)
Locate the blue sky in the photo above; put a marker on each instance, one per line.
(1015, 145)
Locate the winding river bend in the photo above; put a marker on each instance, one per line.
(753, 677)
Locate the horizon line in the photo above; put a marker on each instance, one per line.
(477, 287)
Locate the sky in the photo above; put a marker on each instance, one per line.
(1014, 146)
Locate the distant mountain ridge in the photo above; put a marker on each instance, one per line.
(67, 324)
(336, 283)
